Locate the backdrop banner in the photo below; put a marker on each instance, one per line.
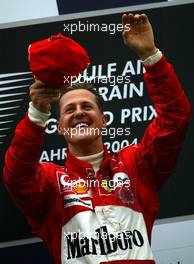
(69, 6)
(118, 74)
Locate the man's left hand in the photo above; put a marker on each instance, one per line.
(138, 35)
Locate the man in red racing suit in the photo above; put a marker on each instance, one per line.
(105, 213)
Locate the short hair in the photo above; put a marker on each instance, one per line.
(85, 86)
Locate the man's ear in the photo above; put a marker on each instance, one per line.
(104, 120)
(59, 128)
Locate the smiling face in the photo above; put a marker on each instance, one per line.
(81, 119)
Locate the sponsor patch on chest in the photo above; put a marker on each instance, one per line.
(75, 192)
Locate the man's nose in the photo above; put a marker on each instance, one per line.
(79, 112)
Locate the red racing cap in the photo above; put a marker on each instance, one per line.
(56, 59)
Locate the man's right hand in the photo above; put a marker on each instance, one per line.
(42, 96)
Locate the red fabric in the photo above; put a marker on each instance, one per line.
(129, 262)
(54, 59)
(34, 185)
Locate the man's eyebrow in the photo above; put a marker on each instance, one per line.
(87, 102)
(64, 107)
(71, 104)
(84, 102)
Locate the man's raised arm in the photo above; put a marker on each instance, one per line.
(158, 151)
(24, 176)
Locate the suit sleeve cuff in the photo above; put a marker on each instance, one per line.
(37, 117)
(151, 60)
